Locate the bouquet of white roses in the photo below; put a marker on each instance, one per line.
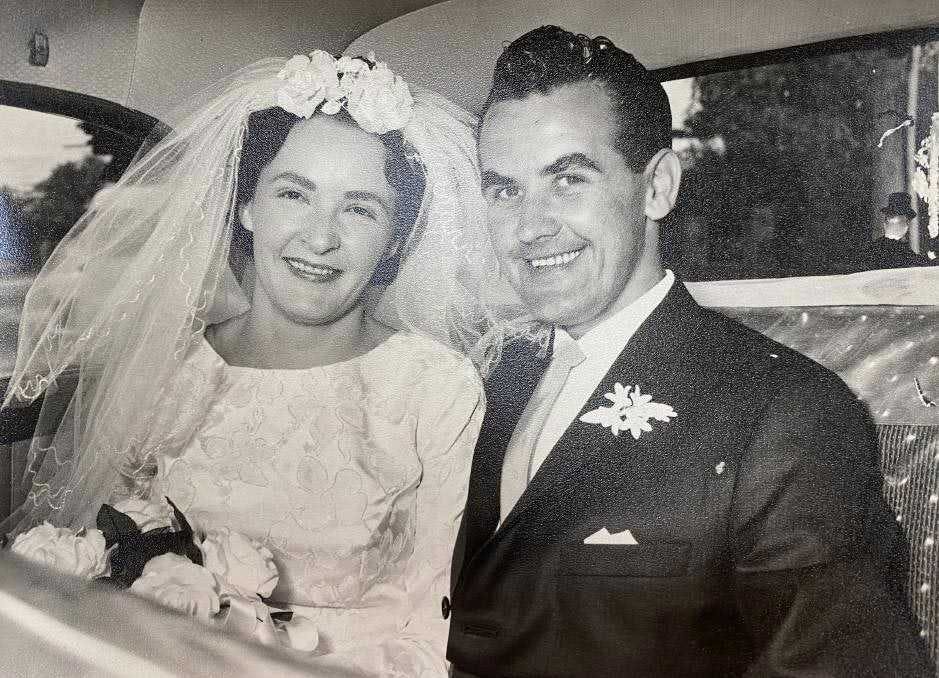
(150, 548)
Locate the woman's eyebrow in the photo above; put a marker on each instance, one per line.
(368, 196)
(298, 179)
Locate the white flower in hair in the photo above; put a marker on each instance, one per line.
(310, 80)
(378, 100)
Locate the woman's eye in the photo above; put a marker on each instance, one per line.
(363, 211)
(291, 194)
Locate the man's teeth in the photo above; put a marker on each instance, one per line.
(556, 260)
(310, 269)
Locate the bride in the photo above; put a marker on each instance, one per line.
(282, 405)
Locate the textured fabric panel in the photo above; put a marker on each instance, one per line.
(92, 44)
(910, 458)
(888, 355)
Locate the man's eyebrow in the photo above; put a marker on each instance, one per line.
(491, 178)
(368, 196)
(298, 179)
(569, 161)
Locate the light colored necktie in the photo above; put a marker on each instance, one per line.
(516, 468)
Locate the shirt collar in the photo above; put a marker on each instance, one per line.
(609, 337)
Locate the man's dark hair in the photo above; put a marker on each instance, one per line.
(550, 57)
(266, 134)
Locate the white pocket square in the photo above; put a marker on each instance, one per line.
(603, 536)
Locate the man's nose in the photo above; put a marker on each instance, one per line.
(535, 221)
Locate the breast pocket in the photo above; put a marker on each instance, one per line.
(650, 559)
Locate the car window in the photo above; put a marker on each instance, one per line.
(786, 172)
(51, 166)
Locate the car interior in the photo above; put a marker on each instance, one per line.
(794, 121)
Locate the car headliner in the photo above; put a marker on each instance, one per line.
(149, 55)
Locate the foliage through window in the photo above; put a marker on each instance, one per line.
(783, 175)
(51, 167)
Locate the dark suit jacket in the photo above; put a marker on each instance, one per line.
(886, 253)
(764, 547)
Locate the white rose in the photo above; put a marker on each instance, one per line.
(63, 550)
(323, 69)
(147, 514)
(240, 561)
(177, 582)
(308, 81)
(380, 101)
(295, 64)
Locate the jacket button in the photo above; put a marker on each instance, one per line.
(445, 607)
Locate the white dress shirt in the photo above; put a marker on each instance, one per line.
(601, 346)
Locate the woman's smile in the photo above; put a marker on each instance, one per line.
(307, 270)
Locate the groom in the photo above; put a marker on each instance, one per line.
(668, 493)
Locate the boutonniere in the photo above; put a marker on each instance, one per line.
(630, 410)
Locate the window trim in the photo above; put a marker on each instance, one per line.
(897, 39)
(134, 125)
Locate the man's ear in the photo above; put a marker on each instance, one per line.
(244, 215)
(663, 173)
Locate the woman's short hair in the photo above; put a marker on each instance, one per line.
(265, 135)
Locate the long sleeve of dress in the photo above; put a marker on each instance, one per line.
(449, 419)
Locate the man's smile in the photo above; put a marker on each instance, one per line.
(555, 260)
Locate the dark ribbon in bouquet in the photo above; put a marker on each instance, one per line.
(133, 548)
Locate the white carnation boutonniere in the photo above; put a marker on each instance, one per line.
(630, 410)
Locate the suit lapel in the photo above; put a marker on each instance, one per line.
(508, 391)
(661, 359)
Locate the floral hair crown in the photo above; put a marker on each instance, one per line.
(378, 100)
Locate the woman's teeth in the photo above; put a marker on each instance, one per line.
(308, 270)
(556, 260)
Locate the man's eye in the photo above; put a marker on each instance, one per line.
(291, 194)
(504, 193)
(569, 180)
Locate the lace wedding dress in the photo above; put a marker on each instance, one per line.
(353, 474)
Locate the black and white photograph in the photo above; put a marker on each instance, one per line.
(469, 338)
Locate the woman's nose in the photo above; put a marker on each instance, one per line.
(321, 233)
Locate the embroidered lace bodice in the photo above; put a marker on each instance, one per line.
(353, 474)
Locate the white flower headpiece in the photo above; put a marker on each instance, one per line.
(378, 100)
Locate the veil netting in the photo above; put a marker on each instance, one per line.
(115, 309)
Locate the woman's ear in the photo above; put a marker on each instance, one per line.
(387, 268)
(244, 215)
(663, 174)
(392, 250)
